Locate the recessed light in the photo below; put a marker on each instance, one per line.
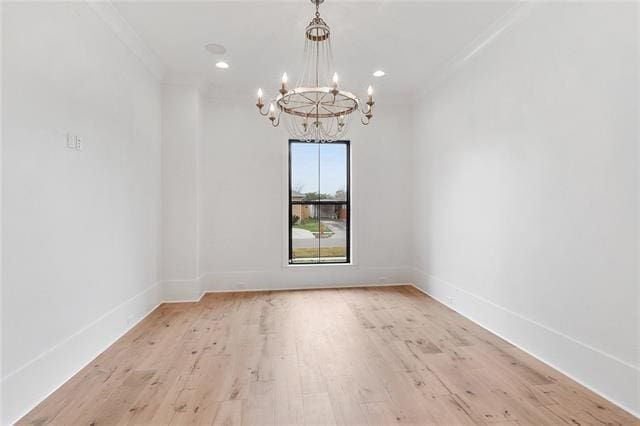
(215, 48)
(378, 73)
(222, 65)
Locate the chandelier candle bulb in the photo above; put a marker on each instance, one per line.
(283, 87)
(260, 103)
(334, 90)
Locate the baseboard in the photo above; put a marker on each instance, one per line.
(324, 287)
(31, 383)
(604, 374)
(286, 278)
(304, 277)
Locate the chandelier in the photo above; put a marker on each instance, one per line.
(316, 109)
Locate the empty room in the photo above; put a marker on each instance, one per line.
(320, 212)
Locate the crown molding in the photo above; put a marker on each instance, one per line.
(485, 39)
(123, 30)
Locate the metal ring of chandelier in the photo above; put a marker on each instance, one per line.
(317, 102)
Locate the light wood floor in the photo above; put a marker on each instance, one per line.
(382, 355)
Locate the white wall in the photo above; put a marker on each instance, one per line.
(181, 124)
(80, 228)
(526, 165)
(244, 194)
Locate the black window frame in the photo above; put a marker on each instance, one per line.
(346, 203)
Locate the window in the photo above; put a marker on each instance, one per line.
(319, 197)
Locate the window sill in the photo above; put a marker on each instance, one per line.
(315, 265)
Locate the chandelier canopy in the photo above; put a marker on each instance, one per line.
(316, 109)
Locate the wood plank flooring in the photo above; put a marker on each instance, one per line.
(355, 356)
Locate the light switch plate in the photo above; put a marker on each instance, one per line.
(71, 141)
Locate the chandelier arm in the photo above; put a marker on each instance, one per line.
(276, 122)
(334, 94)
(264, 114)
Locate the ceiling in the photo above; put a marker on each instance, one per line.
(410, 41)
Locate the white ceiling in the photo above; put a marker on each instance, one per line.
(411, 41)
